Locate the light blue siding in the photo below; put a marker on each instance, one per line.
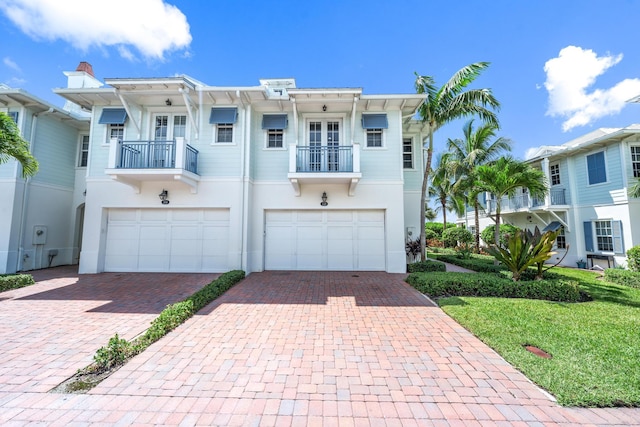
(56, 146)
(598, 193)
(382, 164)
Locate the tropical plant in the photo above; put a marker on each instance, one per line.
(478, 147)
(504, 177)
(450, 102)
(12, 145)
(429, 214)
(442, 189)
(524, 250)
(634, 191)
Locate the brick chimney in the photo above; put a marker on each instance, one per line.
(82, 77)
(86, 67)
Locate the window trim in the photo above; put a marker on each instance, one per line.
(561, 234)
(373, 131)
(107, 138)
(604, 156)
(267, 132)
(616, 236)
(216, 128)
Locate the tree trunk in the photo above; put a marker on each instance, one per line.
(423, 199)
(496, 234)
(477, 224)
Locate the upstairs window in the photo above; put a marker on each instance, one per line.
(114, 118)
(596, 168)
(83, 156)
(374, 124)
(223, 119)
(407, 153)
(274, 125)
(14, 116)
(635, 161)
(555, 174)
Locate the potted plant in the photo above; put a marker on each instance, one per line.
(582, 264)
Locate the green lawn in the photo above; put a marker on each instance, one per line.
(595, 345)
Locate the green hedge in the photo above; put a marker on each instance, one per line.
(438, 285)
(427, 265)
(119, 350)
(15, 281)
(480, 263)
(622, 277)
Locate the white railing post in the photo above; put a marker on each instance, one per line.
(181, 152)
(293, 155)
(356, 157)
(114, 153)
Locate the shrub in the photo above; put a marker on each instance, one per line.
(15, 281)
(633, 258)
(623, 277)
(488, 237)
(480, 263)
(431, 235)
(457, 236)
(113, 354)
(427, 265)
(437, 227)
(438, 285)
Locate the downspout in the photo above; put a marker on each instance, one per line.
(246, 156)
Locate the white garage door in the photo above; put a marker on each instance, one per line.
(167, 240)
(324, 240)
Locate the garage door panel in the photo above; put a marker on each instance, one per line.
(334, 240)
(167, 240)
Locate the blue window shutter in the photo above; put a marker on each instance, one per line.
(596, 168)
(223, 115)
(113, 116)
(375, 121)
(274, 121)
(618, 241)
(14, 116)
(588, 236)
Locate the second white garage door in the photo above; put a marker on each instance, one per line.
(167, 240)
(325, 240)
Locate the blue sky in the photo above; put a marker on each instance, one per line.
(559, 68)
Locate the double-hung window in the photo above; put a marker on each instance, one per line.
(374, 125)
(14, 116)
(603, 235)
(596, 168)
(83, 156)
(635, 160)
(274, 125)
(407, 153)
(555, 174)
(561, 240)
(223, 118)
(114, 118)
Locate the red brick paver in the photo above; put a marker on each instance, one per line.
(293, 348)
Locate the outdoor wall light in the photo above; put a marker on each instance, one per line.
(168, 102)
(324, 199)
(324, 108)
(163, 197)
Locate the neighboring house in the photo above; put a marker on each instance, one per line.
(182, 176)
(588, 197)
(41, 217)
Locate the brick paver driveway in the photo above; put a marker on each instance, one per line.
(300, 348)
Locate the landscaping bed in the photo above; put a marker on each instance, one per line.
(15, 281)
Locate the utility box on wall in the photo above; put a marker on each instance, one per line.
(39, 235)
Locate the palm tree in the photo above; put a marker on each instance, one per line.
(478, 147)
(634, 191)
(429, 213)
(12, 145)
(447, 103)
(503, 177)
(442, 188)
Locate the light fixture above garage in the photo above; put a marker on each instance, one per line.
(324, 199)
(164, 196)
(168, 102)
(324, 108)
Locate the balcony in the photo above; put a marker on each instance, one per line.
(332, 165)
(523, 202)
(133, 162)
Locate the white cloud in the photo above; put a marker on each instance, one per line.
(152, 27)
(11, 64)
(570, 75)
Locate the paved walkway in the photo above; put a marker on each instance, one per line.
(280, 348)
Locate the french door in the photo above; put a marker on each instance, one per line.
(324, 145)
(167, 127)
